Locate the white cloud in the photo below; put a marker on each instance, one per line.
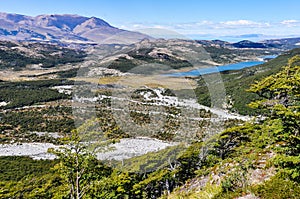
(137, 26)
(243, 24)
(233, 27)
(290, 21)
(239, 22)
(193, 25)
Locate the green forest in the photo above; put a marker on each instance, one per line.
(47, 57)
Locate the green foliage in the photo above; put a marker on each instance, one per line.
(152, 161)
(47, 186)
(68, 73)
(265, 133)
(290, 165)
(155, 184)
(281, 93)
(231, 138)
(78, 166)
(30, 92)
(23, 177)
(122, 64)
(237, 179)
(14, 168)
(117, 185)
(278, 187)
(191, 159)
(27, 97)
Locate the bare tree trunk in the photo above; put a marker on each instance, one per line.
(77, 179)
(168, 186)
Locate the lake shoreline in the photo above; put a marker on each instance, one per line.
(215, 69)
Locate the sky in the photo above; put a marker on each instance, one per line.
(194, 18)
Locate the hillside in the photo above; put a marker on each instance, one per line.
(285, 43)
(22, 55)
(271, 44)
(162, 56)
(259, 159)
(150, 56)
(236, 83)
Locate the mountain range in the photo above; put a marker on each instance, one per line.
(75, 29)
(64, 28)
(283, 44)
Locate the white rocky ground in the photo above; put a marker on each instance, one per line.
(34, 150)
(192, 103)
(67, 89)
(125, 149)
(3, 103)
(129, 147)
(162, 100)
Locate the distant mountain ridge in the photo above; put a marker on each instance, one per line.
(65, 28)
(284, 43)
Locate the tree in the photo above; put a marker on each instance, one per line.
(117, 185)
(79, 166)
(280, 101)
(231, 138)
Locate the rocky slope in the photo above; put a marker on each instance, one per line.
(63, 28)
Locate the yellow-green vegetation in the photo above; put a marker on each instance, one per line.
(135, 81)
(209, 191)
(278, 187)
(150, 162)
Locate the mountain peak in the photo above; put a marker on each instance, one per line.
(94, 22)
(16, 18)
(66, 21)
(61, 28)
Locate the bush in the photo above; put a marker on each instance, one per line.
(278, 187)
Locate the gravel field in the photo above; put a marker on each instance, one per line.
(125, 149)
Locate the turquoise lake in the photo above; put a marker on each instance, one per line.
(215, 69)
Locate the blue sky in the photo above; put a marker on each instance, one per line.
(206, 18)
